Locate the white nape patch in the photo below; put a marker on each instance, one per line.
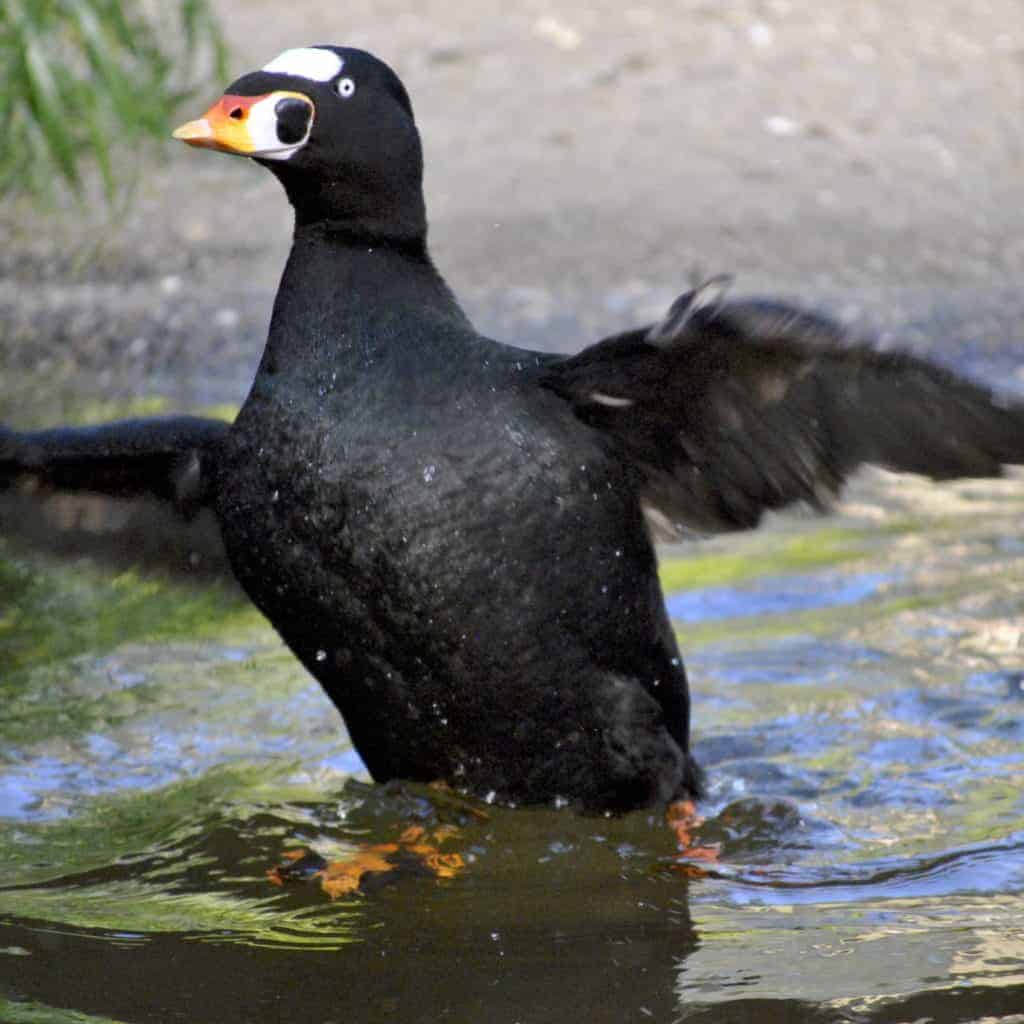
(612, 401)
(306, 62)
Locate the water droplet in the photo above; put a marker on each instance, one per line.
(429, 472)
(490, 797)
(275, 496)
(321, 655)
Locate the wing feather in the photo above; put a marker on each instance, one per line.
(728, 409)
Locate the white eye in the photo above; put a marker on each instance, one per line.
(346, 87)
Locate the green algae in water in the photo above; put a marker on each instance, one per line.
(115, 683)
(188, 859)
(136, 908)
(14, 1012)
(53, 609)
(831, 546)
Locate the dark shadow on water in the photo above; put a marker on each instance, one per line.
(557, 917)
(528, 973)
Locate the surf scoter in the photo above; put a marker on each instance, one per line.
(452, 534)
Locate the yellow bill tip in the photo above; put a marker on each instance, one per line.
(194, 132)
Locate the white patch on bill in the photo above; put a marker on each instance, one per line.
(262, 125)
(307, 62)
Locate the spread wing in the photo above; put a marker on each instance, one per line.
(727, 409)
(171, 458)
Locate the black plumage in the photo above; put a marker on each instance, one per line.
(450, 532)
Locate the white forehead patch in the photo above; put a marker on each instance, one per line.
(307, 62)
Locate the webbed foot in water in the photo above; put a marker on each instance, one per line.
(682, 818)
(416, 849)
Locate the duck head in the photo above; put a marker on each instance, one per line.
(335, 125)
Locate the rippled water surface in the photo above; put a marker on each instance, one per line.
(858, 705)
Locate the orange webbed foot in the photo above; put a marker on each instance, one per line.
(343, 877)
(682, 817)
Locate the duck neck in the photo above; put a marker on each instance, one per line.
(347, 298)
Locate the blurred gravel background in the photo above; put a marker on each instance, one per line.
(584, 161)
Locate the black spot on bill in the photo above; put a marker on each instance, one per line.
(292, 119)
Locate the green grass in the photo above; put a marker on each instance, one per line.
(85, 80)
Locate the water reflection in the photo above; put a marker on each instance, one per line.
(778, 595)
(859, 708)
